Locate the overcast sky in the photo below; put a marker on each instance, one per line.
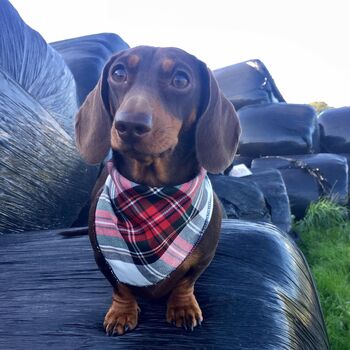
(304, 43)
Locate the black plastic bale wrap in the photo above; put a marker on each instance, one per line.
(247, 161)
(261, 196)
(310, 177)
(347, 156)
(257, 294)
(43, 181)
(241, 199)
(86, 56)
(335, 130)
(278, 129)
(272, 185)
(248, 83)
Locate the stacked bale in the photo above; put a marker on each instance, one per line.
(271, 183)
(260, 197)
(288, 137)
(309, 177)
(86, 56)
(238, 159)
(335, 130)
(241, 199)
(43, 181)
(334, 126)
(278, 129)
(248, 83)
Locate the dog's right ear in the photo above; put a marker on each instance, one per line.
(94, 120)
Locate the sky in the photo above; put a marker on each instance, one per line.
(303, 43)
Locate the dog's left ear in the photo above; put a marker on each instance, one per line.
(218, 128)
(94, 120)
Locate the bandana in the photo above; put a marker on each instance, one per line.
(145, 233)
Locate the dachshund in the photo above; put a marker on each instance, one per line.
(161, 116)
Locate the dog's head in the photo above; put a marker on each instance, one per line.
(146, 99)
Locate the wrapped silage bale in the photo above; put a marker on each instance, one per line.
(310, 177)
(271, 183)
(238, 159)
(335, 130)
(247, 83)
(86, 57)
(257, 294)
(278, 129)
(259, 196)
(43, 181)
(241, 199)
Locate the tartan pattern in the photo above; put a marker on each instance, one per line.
(145, 232)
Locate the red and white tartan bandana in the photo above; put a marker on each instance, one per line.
(145, 232)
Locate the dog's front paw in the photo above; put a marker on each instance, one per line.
(184, 313)
(121, 318)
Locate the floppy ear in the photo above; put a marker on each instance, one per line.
(218, 127)
(93, 121)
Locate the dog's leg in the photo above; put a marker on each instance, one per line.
(123, 314)
(183, 309)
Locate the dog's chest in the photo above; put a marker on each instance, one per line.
(145, 233)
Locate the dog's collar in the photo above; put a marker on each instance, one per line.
(144, 232)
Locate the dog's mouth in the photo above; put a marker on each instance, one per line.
(158, 143)
(134, 152)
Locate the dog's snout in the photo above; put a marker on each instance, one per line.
(134, 125)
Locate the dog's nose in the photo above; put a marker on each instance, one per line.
(132, 125)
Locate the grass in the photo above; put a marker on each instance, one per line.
(325, 241)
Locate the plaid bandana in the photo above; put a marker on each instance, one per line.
(145, 232)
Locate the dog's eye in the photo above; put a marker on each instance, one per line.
(180, 80)
(120, 74)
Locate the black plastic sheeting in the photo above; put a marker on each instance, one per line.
(272, 185)
(43, 181)
(240, 198)
(26, 59)
(86, 57)
(248, 83)
(347, 156)
(257, 294)
(335, 130)
(247, 161)
(261, 196)
(278, 129)
(310, 177)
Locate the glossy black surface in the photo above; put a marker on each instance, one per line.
(248, 83)
(241, 198)
(43, 181)
(261, 196)
(86, 56)
(335, 130)
(272, 185)
(278, 129)
(257, 294)
(315, 176)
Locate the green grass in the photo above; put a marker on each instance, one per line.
(325, 241)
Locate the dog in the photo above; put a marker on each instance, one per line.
(162, 114)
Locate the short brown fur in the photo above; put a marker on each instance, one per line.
(133, 61)
(192, 125)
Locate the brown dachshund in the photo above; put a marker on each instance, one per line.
(166, 120)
